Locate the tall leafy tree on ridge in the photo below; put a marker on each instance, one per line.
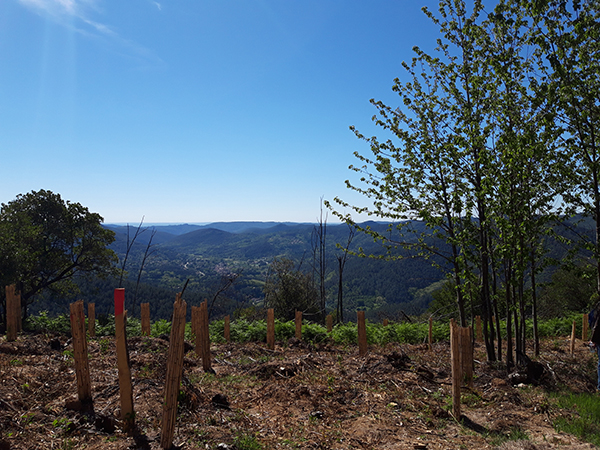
(468, 157)
(568, 39)
(529, 165)
(45, 241)
(434, 168)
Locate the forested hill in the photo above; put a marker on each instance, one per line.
(211, 255)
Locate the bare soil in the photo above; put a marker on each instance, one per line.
(298, 396)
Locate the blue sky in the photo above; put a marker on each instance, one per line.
(196, 110)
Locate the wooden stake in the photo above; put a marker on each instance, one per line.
(573, 339)
(466, 355)
(125, 388)
(80, 354)
(145, 313)
(385, 322)
(456, 369)
(226, 329)
(478, 329)
(12, 314)
(584, 328)
(271, 328)
(205, 336)
(298, 322)
(92, 319)
(329, 323)
(174, 373)
(362, 333)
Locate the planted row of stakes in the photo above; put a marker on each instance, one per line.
(461, 350)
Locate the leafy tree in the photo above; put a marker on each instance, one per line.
(471, 156)
(288, 290)
(438, 167)
(45, 241)
(568, 38)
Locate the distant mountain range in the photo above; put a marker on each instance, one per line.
(204, 254)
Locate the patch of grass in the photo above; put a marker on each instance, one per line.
(247, 442)
(104, 345)
(585, 420)
(471, 399)
(514, 434)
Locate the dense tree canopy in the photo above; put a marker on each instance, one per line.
(45, 241)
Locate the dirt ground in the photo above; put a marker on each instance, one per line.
(297, 396)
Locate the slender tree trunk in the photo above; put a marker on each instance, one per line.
(510, 362)
(485, 283)
(495, 303)
(536, 337)
(517, 326)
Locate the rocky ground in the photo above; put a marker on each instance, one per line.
(297, 396)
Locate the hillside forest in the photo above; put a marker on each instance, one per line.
(229, 263)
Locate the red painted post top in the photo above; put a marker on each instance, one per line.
(119, 301)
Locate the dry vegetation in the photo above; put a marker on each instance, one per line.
(298, 396)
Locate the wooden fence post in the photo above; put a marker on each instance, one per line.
(174, 373)
(92, 319)
(271, 328)
(456, 368)
(80, 354)
(298, 322)
(386, 322)
(145, 313)
(466, 355)
(329, 323)
(205, 334)
(478, 329)
(125, 388)
(572, 347)
(12, 314)
(362, 333)
(226, 329)
(584, 328)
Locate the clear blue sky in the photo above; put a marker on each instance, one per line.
(196, 110)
